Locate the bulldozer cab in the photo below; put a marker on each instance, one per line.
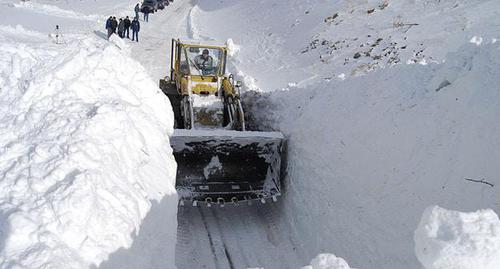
(203, 61)
(198, 63)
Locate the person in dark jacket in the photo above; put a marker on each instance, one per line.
(205, 63)
(136, 27)
(121, 28)
(137, 9)
(109, 26)
(126, 23)
(114, 25)
(146, 14)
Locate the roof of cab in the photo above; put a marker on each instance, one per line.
(212, 43)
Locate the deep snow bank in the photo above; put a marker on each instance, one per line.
(84, 151)
(451, 239)
(366, 156)
(369, 154)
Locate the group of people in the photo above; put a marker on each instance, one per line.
(123, 27)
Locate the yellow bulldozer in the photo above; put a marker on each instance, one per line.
(218, 160)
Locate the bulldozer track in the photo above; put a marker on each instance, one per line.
(234, 237)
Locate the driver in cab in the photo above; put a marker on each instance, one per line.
(205, 63)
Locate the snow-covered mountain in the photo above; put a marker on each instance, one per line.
(389, 107)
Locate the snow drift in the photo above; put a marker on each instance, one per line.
(84, 151)
(451, 239)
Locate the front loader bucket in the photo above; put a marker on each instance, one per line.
(220, 166)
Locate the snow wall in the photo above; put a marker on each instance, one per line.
(87, 173)
(368, 155)
(388, 109)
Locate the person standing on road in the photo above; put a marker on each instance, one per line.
(126, 23)
(146, 14)
(121, 28)
(136, 27)
(109, 26)
(114, 25)
(137, 9)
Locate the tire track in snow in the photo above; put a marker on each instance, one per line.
(193, 247)
(189, 25)
(234, 237)
(191, 30)
(213, 246)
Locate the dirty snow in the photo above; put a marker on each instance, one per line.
(213, 167)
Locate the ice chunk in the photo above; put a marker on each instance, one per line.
(451, 239)
(327, 261)
(476, 40)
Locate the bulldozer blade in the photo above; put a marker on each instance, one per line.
(223, 166)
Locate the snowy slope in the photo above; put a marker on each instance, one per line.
(85, 159)
(73, 17)
(305, 41)
(368, 154)
(367, 171)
